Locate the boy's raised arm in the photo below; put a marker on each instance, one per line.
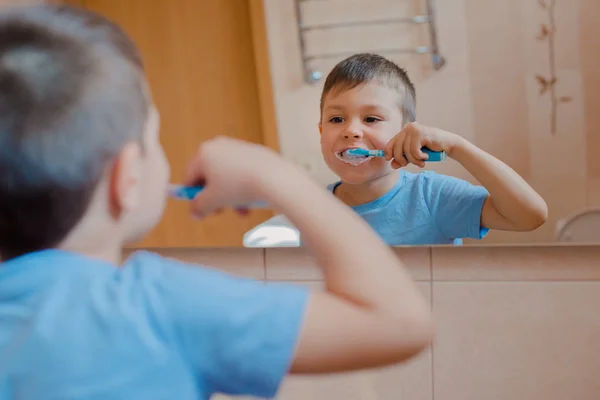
(371, 314)
(512, 204)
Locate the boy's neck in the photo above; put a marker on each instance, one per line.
(357, 194)
(95, 237)
(110, 254)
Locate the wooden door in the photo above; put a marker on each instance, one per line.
(206, 61)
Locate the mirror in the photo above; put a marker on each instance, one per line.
(519, 79)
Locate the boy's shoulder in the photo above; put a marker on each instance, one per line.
(419, 177)
(150, 266)
(426, 176)
(432, 180)
(138, 268)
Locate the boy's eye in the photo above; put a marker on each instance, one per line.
(336, 120)
(371, 120)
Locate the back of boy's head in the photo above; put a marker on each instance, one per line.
(72, 94)
(362, 68)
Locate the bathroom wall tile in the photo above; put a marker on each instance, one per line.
(296, 264)
(515, 263)
(356, 39)
(589, 41)
(497, 70)
(409, 381)
(593, 192)
(340, 11)
(239, 261)
(521, 341)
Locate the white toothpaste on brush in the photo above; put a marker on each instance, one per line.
(358, 156)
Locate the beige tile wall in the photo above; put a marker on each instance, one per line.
(517, 340)
(514, 322)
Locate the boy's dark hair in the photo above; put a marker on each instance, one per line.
(72, 93)
(361, 68)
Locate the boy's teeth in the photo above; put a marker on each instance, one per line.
(352, 159)
(346, 154)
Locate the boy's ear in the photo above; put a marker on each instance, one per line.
(125, 180)
(320, 128)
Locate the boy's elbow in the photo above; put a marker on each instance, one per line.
(529, 218)
(538, 216)
(427, 332)
(415, 335)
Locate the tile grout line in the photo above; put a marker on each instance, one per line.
(433, 344)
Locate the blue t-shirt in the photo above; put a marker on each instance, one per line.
(426, 208)
(76, 328)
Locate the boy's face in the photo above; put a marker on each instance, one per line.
(154, 179)
(367, 117)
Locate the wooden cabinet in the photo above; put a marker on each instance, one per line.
(206, 61)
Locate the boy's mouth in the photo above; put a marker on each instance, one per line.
(350, 159)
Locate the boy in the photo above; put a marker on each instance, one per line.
(369, 102)
(82, 172)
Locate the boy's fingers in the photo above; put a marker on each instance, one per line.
(243, 211)
(416, 145)
(389, 150)
(408, 150)
(401, 158)
(398, 157)
(418, 155)
(397, 150)
(404, 161)
(194, 173)
(205, 204)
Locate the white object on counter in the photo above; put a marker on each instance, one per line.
(582, 226)
(274, 232)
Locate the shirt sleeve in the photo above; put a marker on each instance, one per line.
(455, 205)
(240, 335)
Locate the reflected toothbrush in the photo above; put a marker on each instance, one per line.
(434, 156)
(366, 152)
(182, 192)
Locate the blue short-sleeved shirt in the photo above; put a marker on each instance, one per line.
(426, 208)
(76, 328)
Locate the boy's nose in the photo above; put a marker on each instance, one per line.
(353, 133)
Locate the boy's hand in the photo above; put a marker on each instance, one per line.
(233, 173)
(410, 141)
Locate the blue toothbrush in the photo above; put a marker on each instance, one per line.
(182, 192)
(434, 156)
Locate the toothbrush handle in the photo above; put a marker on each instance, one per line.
(189, 192)
(434, 156)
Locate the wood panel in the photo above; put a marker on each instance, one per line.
(201, 65)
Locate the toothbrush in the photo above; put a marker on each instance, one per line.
(182, 192)
(434, 156)
(365, 152)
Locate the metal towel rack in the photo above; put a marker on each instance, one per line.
(313, 76)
